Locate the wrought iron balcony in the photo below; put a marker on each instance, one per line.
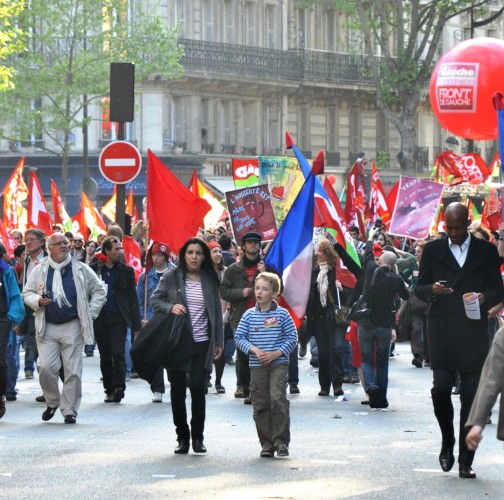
(291, 65)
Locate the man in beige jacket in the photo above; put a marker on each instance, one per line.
(66, 296)
(491, 384)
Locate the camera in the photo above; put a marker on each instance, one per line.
(46, 294)
(378, 224)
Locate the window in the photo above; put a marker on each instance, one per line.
(208, 20)
(332, 30)
(250, 23)
(332, 129)
(179, 119)
(355, 138)
(227, 123)
(302, 29)
(271, 27)
(229, 21)
(382, 139)
(271, 128)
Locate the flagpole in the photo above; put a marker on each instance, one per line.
(145, 272)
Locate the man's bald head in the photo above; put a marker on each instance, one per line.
(457, 222)
(388, 259)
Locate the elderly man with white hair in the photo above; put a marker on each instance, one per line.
(66, 296)
(386, 286)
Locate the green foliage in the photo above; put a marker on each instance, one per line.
(382, 160)
(71, 46)
(12, 40)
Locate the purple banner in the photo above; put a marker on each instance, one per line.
(416, 207)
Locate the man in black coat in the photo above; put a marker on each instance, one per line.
(121, 312)
(451, 267)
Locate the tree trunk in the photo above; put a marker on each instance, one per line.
(408, 134)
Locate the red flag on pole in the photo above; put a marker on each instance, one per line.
(38, 214)
(14, 192)
(174, 213)
(380, 207)
(132, 255)
(60, 214)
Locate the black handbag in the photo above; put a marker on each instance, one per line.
(157, 341)
(341, 312)
(361, 310)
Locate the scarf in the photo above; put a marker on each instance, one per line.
(249, 262)
(323, 282)
(57, 284)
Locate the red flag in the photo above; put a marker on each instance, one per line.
(491, 220)
(79, 224)
(14, 192)
(380, 206)
(356, 196)
(60, 214)
(38, 214)
(465, 168)
(9, 243)
(174, 213)
(194, 185)
(93, 220)
(132, 255)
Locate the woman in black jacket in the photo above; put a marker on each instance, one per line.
(321, 322)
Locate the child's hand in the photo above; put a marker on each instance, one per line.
(266, 358)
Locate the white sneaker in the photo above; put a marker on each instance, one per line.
(157, 397)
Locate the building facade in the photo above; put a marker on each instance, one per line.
(254, 69)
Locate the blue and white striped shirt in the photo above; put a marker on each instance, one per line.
(267, 330)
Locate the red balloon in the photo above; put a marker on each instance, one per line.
(462, 85)
(331, 179)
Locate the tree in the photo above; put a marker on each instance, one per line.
(407, 34)
(12, 39)
(71, 46)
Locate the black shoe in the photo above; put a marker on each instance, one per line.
(314, 362)
(347, 379)
(446, 458)
(282, 450)
(417, 361)
(466, 472)
(267, 452)
(11, 397)
(109, 398)
(247, 401)
(198, 446)
(48, 414)
(118, 395)
(220, 389)
(338, 391)
(230, 361)
(239, 393)
(40, 399)
(183, 447)
(293, 389)
(323, 392)
(3, 409)
(70, 419)
(373, 397)
(302, 351)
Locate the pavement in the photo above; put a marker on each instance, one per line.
(339, 448)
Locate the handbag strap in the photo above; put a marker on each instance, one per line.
(366, 290)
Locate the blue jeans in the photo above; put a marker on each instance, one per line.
(12, 365)
(378, 377)
(127, 349)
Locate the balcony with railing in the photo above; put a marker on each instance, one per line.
(290, 65)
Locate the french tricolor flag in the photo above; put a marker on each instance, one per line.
(291, 253)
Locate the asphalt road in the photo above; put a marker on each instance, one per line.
(339, 449)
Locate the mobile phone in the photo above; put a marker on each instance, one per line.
(442, 282)
(45, 294)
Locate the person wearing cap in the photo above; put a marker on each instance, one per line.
(375, 338)
(157, 263)
(237, 288)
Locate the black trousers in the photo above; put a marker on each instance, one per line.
(110, 334)
(443, 382)
(5, 327)
(197, 385)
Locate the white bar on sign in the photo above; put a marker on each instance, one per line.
(120, 162)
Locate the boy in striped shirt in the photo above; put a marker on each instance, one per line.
(268, 334)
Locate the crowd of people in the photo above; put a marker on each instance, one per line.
(62, 295)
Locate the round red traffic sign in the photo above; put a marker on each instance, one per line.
(120, 162)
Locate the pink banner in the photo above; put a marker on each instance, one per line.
(416, 206)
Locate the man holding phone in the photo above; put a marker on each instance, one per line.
(450, 267)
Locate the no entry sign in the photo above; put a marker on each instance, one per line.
(120, 162)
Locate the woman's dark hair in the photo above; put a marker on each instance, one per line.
(3, 250)
(19, 250)
(90, 242)
(206, 265)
